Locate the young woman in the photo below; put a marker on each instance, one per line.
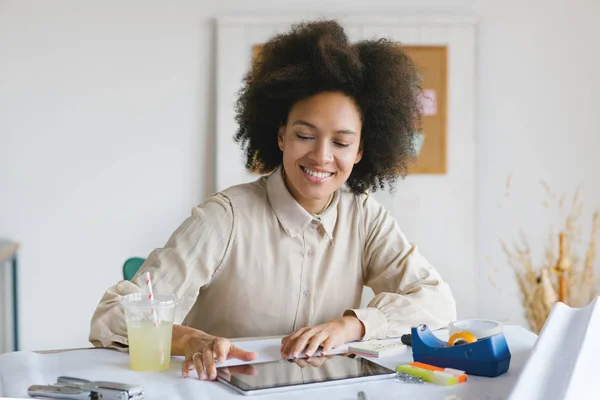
(325, 122)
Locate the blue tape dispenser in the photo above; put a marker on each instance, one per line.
(477, 347)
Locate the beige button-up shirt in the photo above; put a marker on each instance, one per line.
(250, 261)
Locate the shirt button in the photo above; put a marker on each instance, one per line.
(309, 252)
(315, 222)
(305, 292)
(120, 288)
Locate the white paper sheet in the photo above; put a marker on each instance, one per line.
(20, 370)
(268, 350)
(563, 362)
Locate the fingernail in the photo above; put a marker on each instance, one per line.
(308, 354)
(203, 376)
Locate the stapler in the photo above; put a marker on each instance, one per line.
(80, 389)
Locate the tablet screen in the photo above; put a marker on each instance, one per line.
(285, 373)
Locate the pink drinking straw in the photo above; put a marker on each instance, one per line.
(154, 316)
(151, 298)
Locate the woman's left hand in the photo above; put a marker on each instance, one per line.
(328, 335)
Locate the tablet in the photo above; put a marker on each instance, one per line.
(283, 375)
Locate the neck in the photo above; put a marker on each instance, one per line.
(320, 207)
(313, 206)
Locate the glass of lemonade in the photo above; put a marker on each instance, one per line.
(149, 329)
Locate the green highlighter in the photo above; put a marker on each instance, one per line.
(436, 377)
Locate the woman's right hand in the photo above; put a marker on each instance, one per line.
(203, 351)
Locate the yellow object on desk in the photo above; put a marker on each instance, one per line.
(431, 374)
(461, 338)
(149, 330)
(146, 343)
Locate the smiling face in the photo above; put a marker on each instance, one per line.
(320, 144)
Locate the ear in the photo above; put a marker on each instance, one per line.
(359, 154)
(280, 135)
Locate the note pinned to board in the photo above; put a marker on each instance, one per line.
(428, 102)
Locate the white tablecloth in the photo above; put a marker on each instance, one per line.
(19, 370)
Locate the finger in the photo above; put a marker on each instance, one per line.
(286, 339)
(298, 333)
(283, 343)
(221, 348)
(315, 342)
(289, 342)
(290, 339)
(287, 349)
(185, 367)
(327, 346)
(284, 350)
(301, 342)
(197, 360)
(208, 357)
(236, 352)
(302, 363)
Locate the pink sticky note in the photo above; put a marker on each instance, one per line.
(428, 103)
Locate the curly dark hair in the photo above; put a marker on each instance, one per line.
(316, 57)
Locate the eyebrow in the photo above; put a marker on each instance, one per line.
(309, 125)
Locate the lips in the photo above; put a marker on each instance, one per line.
(317, 174)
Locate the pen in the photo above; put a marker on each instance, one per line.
(362, 395)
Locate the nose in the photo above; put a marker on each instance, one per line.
(322, 152)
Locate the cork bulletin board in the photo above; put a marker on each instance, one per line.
(431, 62)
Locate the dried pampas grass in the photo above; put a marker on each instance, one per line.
(538, 284)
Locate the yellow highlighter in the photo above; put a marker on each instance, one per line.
(436, 377)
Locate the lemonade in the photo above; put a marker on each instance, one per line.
(149, 329)
(148, 344)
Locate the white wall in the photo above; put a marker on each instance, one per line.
(107, 116)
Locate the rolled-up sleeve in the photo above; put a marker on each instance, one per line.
(188, 261)
(408, 290)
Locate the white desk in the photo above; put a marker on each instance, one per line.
(19, 370)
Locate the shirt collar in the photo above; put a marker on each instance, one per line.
(291, 215)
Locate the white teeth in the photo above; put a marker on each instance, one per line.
(320, 175)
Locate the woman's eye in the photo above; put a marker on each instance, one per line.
(303, 137)
(342, 144)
